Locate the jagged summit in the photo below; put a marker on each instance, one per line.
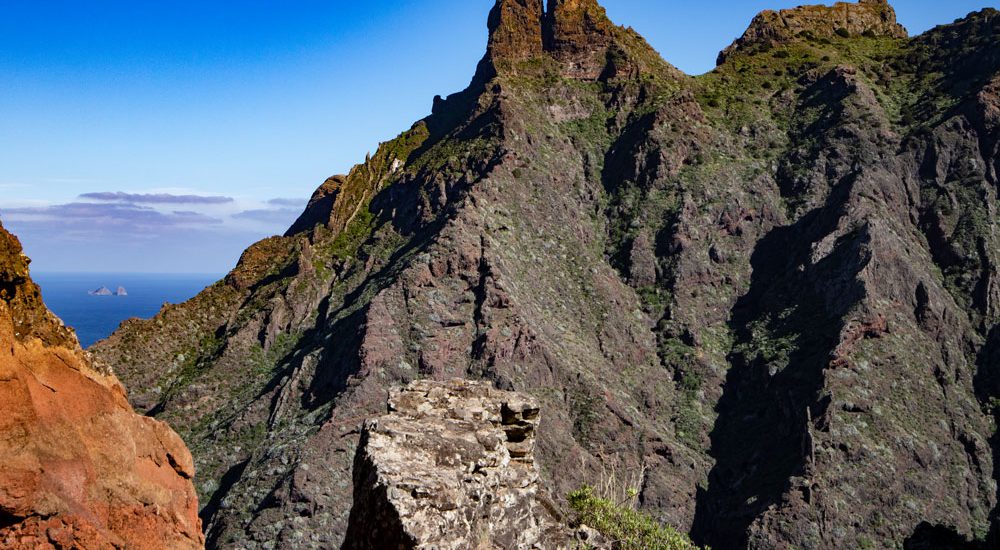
(515, 31)
(866, 17)
(579, 35)
(576, 33)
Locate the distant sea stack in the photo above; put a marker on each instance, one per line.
(105, 291)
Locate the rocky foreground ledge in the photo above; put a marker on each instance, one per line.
(451, 466)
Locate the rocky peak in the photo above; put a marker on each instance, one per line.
(763, 368)
(866, 17)
(575, 32)
(578, 34)
(452, 462)
(515, 28)
(320, 206)
(574, 24)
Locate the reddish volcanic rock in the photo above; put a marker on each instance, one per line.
(78, 468)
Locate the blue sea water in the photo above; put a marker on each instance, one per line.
(96, 317)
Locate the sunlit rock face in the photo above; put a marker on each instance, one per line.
(78, 468)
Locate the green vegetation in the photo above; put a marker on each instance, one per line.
(363, 182)
(584, 407)
(751, 86)
(626, 528)
(772, 342)
(264, 362)
(654, 298)
(194, 362)
(348, 241)
(916, 82)
(688, 422)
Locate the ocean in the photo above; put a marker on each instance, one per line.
(96, 317)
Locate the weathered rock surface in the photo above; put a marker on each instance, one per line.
(78, 468)
(766, 296)
(452, 466)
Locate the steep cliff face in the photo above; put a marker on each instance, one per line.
(769, 291)
(78, 468)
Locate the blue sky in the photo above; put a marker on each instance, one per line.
(251, 104)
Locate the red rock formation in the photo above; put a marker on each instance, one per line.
(78, 468)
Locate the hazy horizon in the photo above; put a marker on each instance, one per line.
(166, 139)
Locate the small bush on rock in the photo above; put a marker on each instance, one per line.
(626, 528)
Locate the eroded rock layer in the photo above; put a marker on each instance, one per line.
(766, 296)
(78, 468)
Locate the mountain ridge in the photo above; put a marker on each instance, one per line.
(743, 287)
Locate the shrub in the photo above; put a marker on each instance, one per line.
(843, 33)
(627, 529)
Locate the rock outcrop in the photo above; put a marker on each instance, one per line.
(577, 34)
(320, 206)
(767, 296)
(23, 299)
(451, 466)
(515, 31)
(78, 468)
(844, 19)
